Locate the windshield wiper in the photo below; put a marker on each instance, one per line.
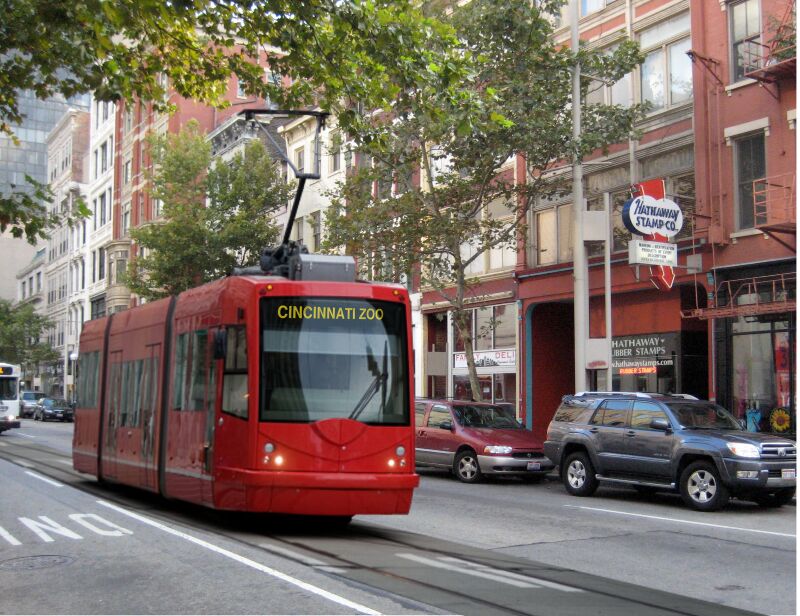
(378, 382)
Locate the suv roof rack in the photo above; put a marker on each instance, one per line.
(638, 394)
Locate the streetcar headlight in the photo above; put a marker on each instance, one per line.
(400, 451)
(744, 450)
(269, 448)
(278, 460)
(495, 449)
(392, 463)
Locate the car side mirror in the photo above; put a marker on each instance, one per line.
(220, 343)
(446, 425)
(660, 424)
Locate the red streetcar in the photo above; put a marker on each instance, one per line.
(255, 393)
(283, 388)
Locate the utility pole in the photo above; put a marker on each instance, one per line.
(580, 274)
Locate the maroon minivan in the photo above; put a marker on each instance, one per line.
(474, 439)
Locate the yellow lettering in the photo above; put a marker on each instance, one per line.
(281, 309)
(307, 312)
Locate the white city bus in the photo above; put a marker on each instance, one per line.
(9, 396)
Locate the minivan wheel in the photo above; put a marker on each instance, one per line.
(702, 488)
(578, 475)
(466, 467)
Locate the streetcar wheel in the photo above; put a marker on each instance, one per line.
(578, 475)
(702, 487)
(466, 467)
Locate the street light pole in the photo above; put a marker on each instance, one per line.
(580, 274)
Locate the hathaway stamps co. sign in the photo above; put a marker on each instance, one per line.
(646, 215)
(652, 253)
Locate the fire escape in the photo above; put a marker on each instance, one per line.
(774, 197)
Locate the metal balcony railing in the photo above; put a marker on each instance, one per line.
(777, 59)
(774, 203)
(749, 297)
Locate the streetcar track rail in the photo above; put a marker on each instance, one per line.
(291, 534)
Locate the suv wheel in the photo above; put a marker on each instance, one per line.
(702, 488)
(466, 467)
(578, 475)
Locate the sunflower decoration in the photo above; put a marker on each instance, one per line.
(779, 420)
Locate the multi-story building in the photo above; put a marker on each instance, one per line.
(26, 157)
(67, 248)
(100, 200)
(30, 290)
(133, 205)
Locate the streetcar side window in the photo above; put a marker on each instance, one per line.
(88, 370)
(234, 380)
(179, 371)
(199, 368)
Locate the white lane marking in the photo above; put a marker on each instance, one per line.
(47, 524)
(66, 462)
(83, 520)
(306, 560)
(519, 576)
(3, 444)
(24, 463)
(45, 479)
(482, 571)
(25, 435)
(8, 537)
(679, 521)
(245, 561)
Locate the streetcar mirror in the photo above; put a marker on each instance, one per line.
(220, 343)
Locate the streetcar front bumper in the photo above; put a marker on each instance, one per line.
(317, 493)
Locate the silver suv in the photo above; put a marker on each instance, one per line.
(28, 401)
(661, 442)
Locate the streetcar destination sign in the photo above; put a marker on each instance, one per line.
(646, 215)
(641, 252)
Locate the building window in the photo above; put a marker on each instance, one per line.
(553, 229)
(101, 263)
(666, 70)
(316, 229)
(335, 153)
(126, 172)
(745, 33)
(591, 6)
(300, 160)
(620, 93)
(750, 165)
(240, 93)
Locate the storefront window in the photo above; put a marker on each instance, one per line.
(762, 376)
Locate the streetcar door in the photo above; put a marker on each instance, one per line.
(231, 429)
(149, 416)
(212, 395)
(108, 463)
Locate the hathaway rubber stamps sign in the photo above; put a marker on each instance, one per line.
(646, 215)
(652, 253)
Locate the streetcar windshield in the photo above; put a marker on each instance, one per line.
(334, 358)
(8, 388)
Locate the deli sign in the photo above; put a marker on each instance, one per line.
(646, 215)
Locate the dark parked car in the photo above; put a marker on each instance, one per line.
(28, 400)
(659, 442)
(474, 439)
(53, 408)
